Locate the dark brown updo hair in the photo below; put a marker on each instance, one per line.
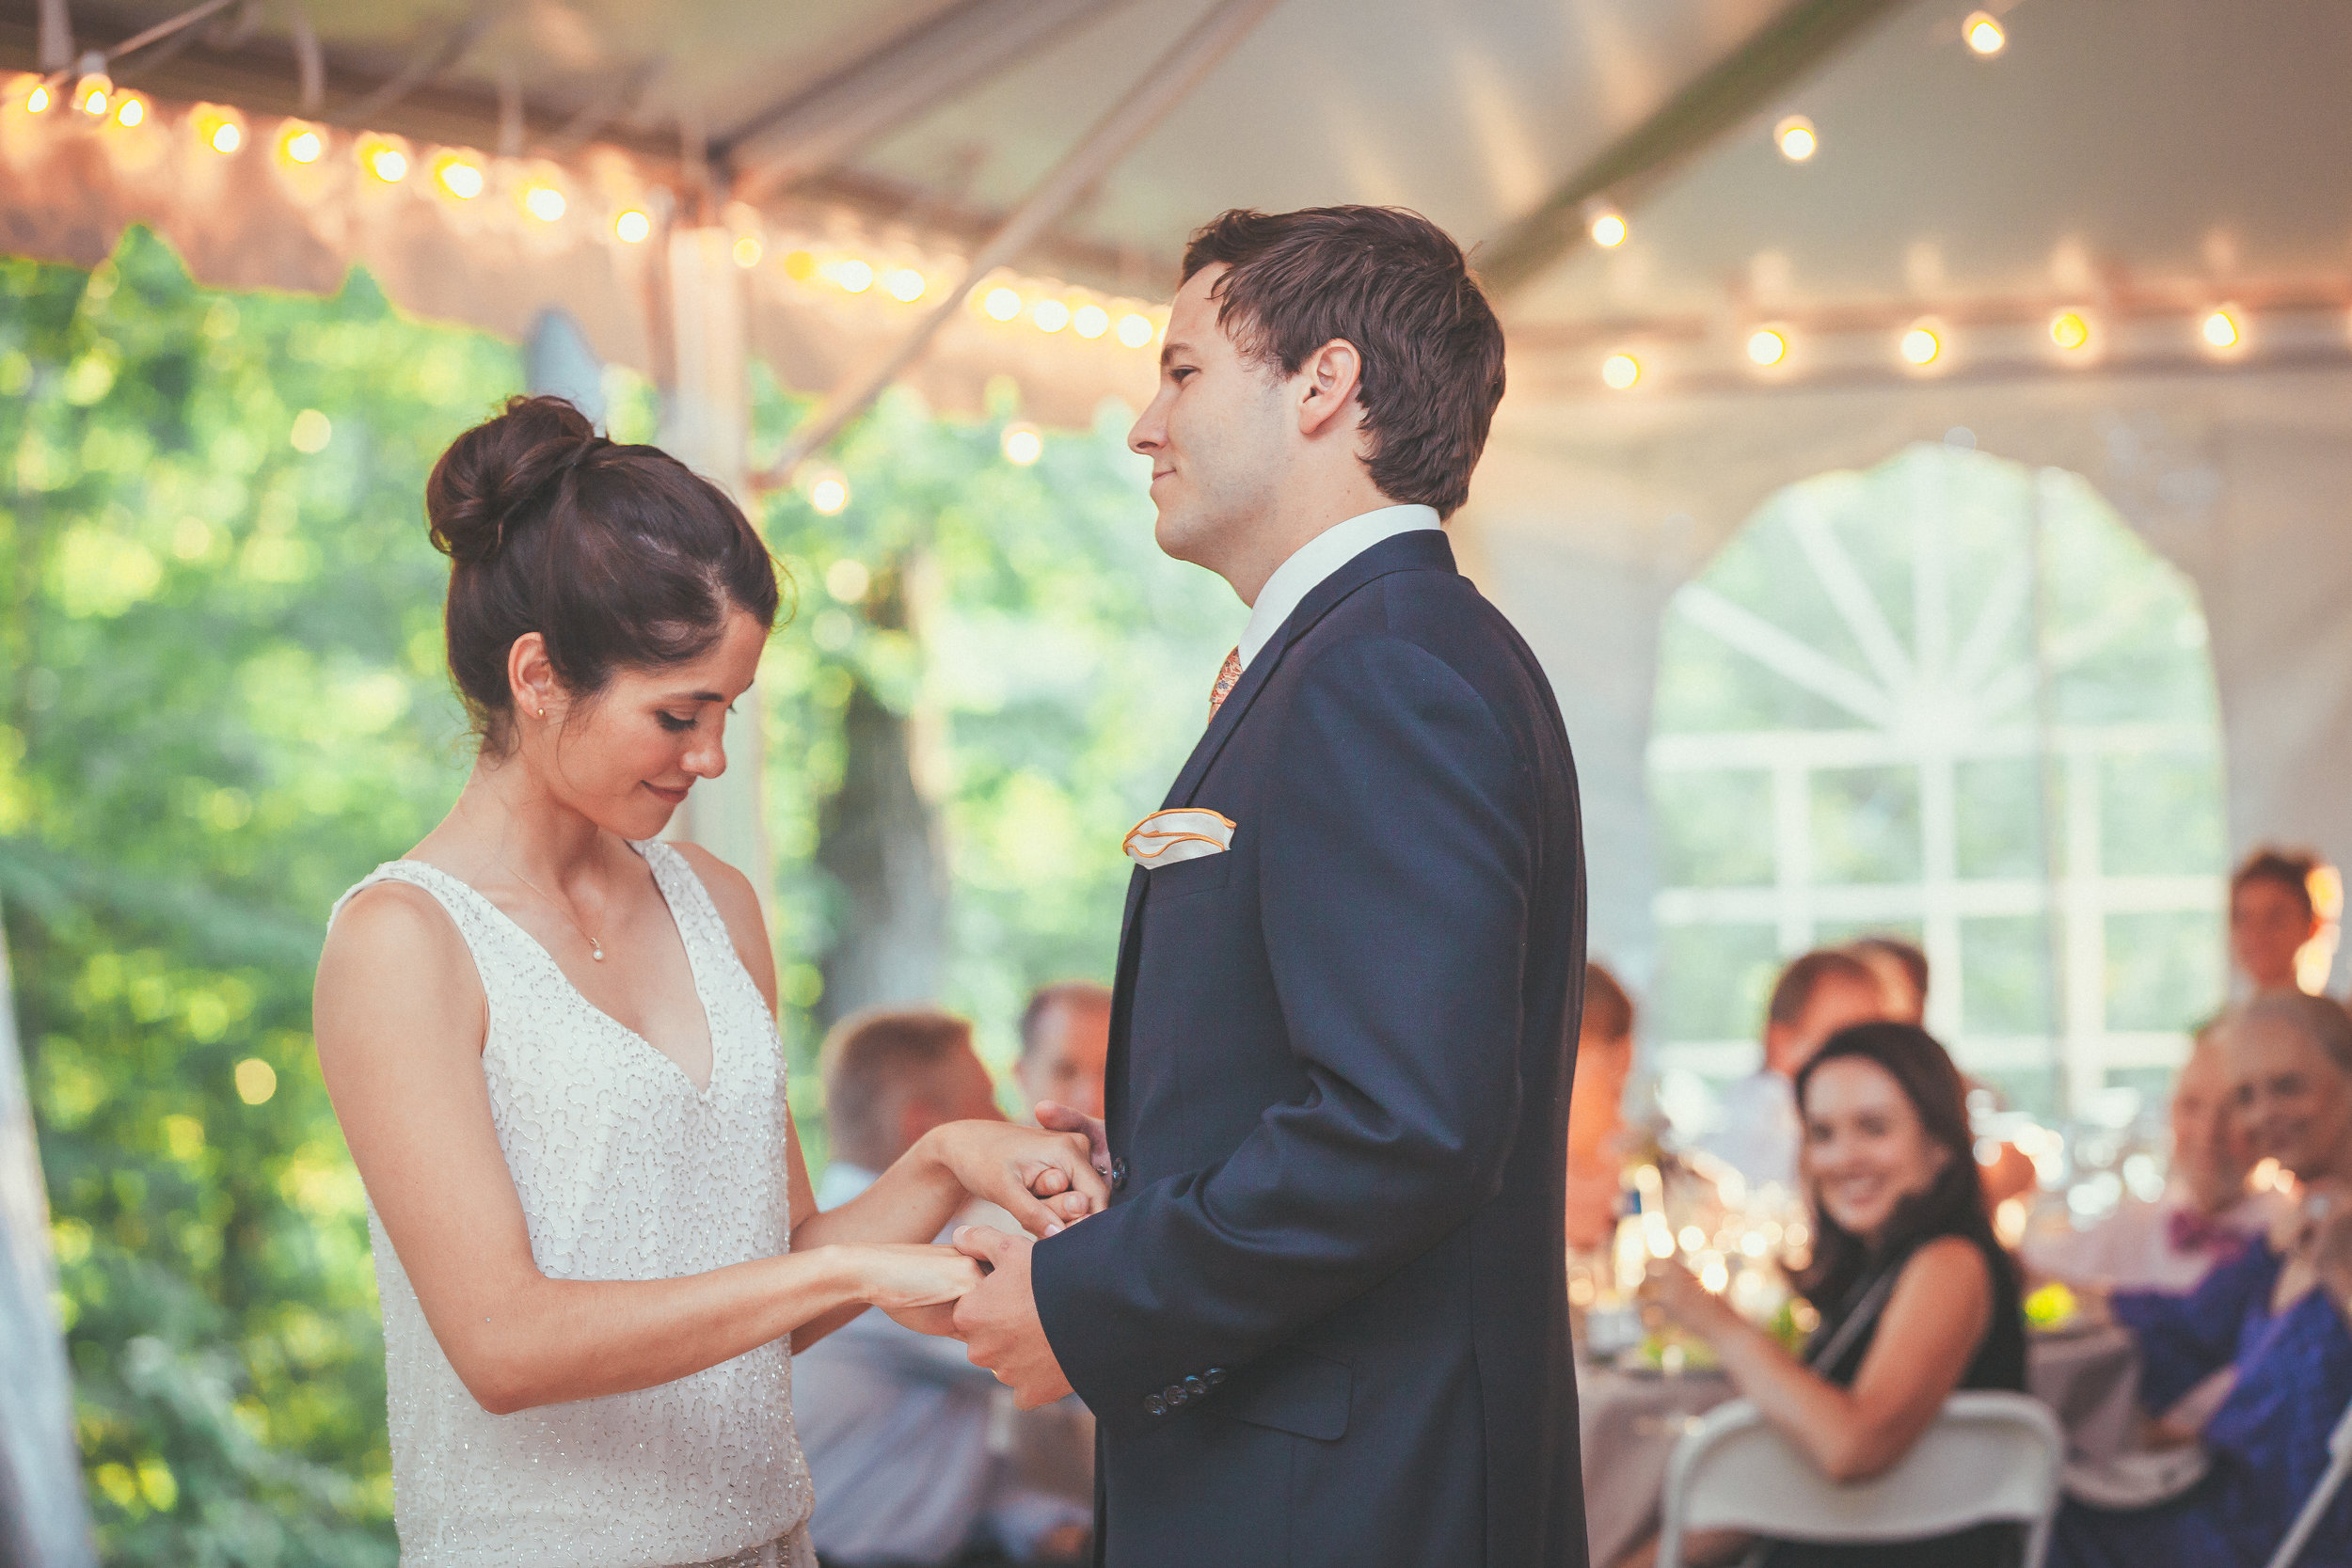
(619, 555)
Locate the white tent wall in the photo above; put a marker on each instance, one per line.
(1589, 512)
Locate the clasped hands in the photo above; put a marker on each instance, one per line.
(1045, 1184)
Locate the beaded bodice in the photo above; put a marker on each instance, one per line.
(626, 1171)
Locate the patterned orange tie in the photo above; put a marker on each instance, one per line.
(1225, 679)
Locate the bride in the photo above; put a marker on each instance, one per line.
(551, 1039)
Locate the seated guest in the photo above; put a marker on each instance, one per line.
(1065, 1042)
(2271, 916)
(1604, 1059)
(1815, 997)
(2276, 1316)
(2205, 1215)
(1902, 971)
(896, 1425)
(1916, 1297)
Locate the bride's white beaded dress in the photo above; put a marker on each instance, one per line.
(626, 1171)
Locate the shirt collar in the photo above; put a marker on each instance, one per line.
(1316, 560)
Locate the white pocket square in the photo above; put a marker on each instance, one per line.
(1184, 834)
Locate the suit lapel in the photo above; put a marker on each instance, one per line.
(1421, 551)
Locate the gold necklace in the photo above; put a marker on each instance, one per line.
(596, 949)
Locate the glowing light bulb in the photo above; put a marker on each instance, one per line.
(1796, 138)
(1767, 346)
(2221, 329)
(1089, 321)
(1620, 370)
(388, 163)
(631, 226)
(302, 145)
(1001, 305)
(1920, 345)
(1609, 228)
(2070, 332)
(37, 101)
(1984, 34)
(854, 275)
(459, 177)
(748, 250)
(829, 494)
(1023, 444)
(1050, 315)
(219, 128)
(799, 265)
(544, 202)
(905, 285)
(93, 95)
(1134, 330)
(132, 112)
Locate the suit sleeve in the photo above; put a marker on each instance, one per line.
(1395, 870)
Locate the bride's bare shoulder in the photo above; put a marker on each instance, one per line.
(393, 943)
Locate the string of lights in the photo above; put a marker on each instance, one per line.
(548, 195)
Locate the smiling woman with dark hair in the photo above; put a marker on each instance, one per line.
(1916, 1297)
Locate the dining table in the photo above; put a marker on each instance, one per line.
(1629, 1418)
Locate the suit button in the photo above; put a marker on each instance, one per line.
(1174, 1394)
(1155, 1406)
(1196, 1389)
(1214, 1377)
(1119, 1175)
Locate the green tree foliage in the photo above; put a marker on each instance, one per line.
(225, 701)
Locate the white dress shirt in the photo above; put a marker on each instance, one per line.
(1316, 560)
(2135, 1248)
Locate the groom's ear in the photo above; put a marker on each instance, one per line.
(1327, 384)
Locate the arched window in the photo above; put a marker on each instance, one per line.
(1955, 698)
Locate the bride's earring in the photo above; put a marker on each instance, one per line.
(543, 713)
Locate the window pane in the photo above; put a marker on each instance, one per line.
(2004, 976)
(2164, 970)
(1714, 828)
(1715, 981)
(2160, 815)
(1998, 817)
(1865, 824)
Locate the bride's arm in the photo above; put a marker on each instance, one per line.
(1044, 1179)
(400, 1018)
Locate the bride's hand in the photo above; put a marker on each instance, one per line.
(1043, 1180)
(919, 1285)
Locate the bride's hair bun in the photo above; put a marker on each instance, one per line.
(493, 473)
(619, 555)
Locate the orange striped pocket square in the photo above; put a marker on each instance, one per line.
(1182, 833)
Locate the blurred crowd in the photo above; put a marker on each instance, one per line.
(1890, 1198)
(1847, 1239)
(920, 1458)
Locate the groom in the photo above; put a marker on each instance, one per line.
(1324, 1319)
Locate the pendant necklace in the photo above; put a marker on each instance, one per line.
(596, 949)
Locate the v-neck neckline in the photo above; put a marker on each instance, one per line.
(693, 966)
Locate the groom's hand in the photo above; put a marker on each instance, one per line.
(999, 1323)
(1062, 1119)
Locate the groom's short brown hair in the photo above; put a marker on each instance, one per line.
(1391, 283)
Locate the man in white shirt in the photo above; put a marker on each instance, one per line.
(913, 1448)
(1816, 996)
(2207, 1214)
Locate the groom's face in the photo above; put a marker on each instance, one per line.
(1218, 433)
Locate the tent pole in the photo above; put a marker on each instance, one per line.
(705, 418)
(1161, 88)
(42, 1520)
(1804, 35)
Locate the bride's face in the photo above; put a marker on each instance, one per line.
(626, 759)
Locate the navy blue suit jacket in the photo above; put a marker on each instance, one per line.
(1324, 1319)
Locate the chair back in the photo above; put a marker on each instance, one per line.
(1990, 1457)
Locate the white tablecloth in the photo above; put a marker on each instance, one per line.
(1630, 1422)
